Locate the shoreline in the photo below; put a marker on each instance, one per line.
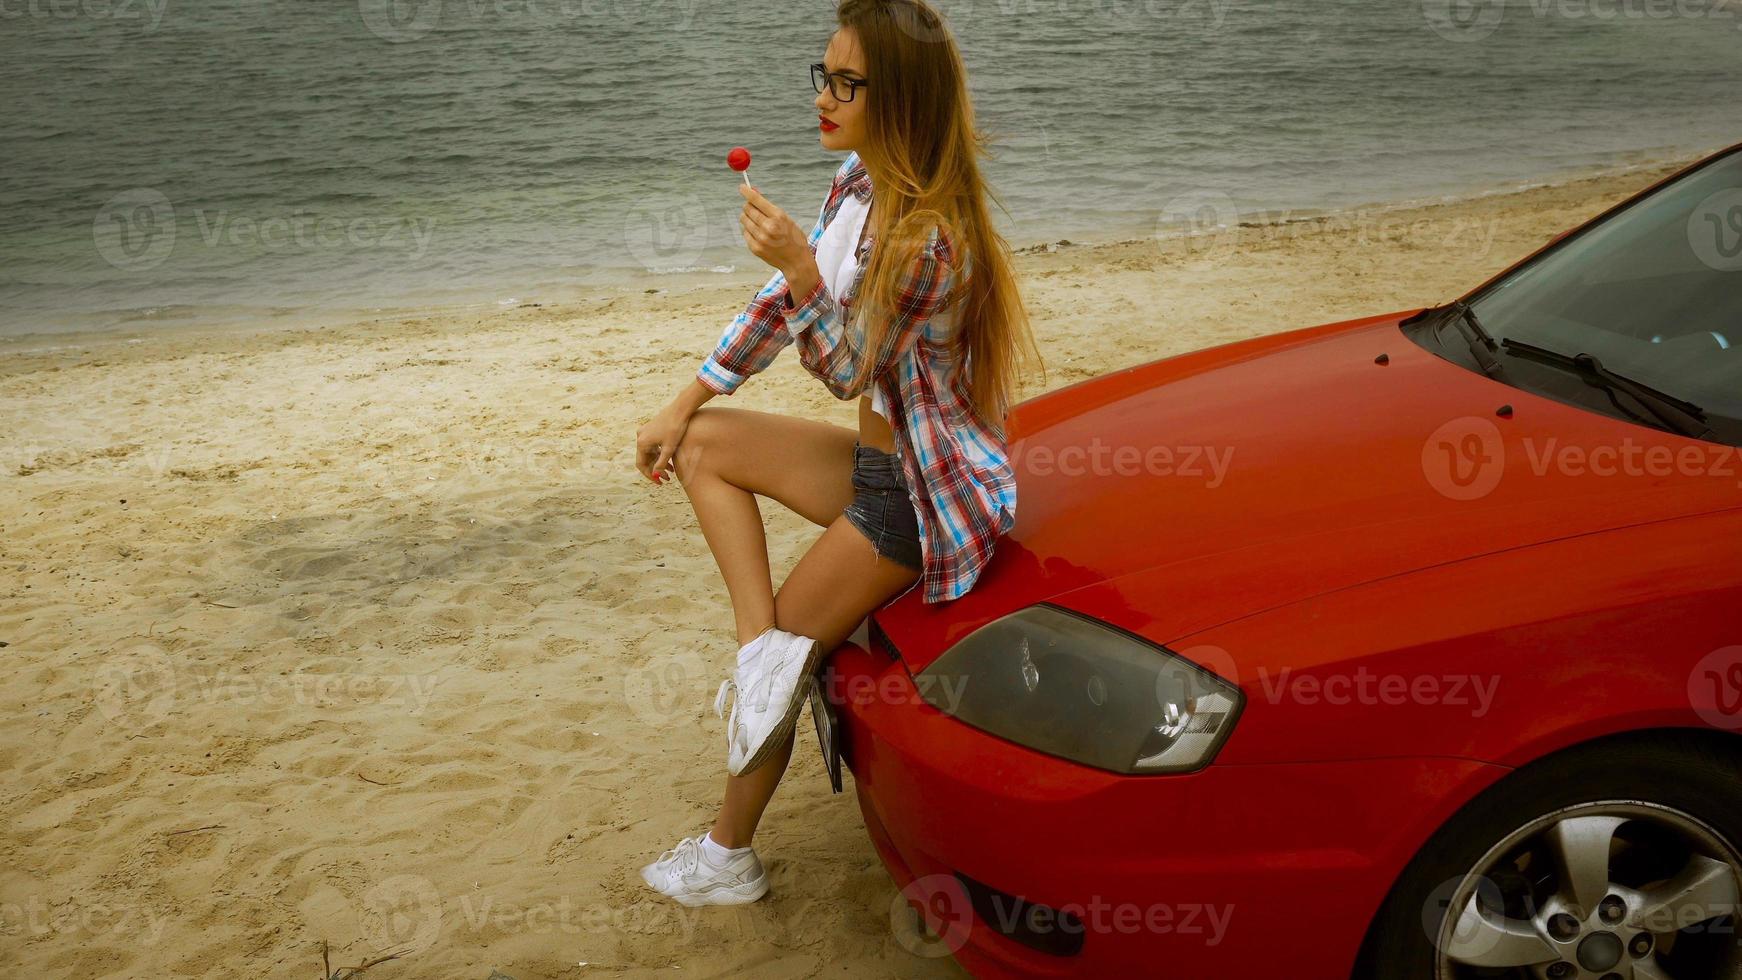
(577, 298)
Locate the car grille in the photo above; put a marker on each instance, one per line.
(1042, 928)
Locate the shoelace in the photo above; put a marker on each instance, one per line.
(733, 735)
(687, 854)
(763, 684)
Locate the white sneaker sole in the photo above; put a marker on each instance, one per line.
(741, 894)
(795, 704)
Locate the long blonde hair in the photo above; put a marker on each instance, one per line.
(922, 159)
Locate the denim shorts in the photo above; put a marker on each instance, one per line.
(881, 508)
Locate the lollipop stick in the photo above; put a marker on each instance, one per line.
(747, 180)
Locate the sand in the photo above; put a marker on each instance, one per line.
(371, 635)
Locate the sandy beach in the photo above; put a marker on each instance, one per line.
(371, 635)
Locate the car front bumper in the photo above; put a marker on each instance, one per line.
(1232, 871)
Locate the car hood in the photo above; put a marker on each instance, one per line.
(1261, 473)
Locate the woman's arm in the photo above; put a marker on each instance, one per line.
(755, 336)
(749, 344)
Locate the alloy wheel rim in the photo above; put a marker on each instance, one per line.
(1611, 890)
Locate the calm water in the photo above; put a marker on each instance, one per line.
(174, 159)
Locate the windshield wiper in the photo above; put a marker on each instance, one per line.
(1672, 412)
(1481, 342)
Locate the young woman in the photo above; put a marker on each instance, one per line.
(907, 304)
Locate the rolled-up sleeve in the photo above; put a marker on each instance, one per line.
(755, 337)
(749, 344)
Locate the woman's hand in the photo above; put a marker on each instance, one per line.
(771, 234)
(656, 442)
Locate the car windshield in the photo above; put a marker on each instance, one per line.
(1654, 292)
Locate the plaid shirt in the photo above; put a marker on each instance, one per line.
(958, 468)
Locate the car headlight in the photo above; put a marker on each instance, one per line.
(1062, 683)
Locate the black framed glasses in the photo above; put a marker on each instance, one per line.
(840, 85)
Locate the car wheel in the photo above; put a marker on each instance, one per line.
(1617, 860)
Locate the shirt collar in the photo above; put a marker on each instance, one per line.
(858, 180)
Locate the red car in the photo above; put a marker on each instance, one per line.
(1403, 647)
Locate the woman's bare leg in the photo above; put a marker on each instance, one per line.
(727, 457)
(730, 455)
(831, 590)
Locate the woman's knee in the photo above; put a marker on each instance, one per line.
(706, 430)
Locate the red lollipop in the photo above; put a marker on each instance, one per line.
(739, 159)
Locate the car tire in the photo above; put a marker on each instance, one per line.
(1692, 773)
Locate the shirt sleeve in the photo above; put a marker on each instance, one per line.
(831, 350)
(755, 337)
(750, 343)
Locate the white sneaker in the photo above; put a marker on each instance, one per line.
(771, 692)
(685, 873)
(742, 678)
